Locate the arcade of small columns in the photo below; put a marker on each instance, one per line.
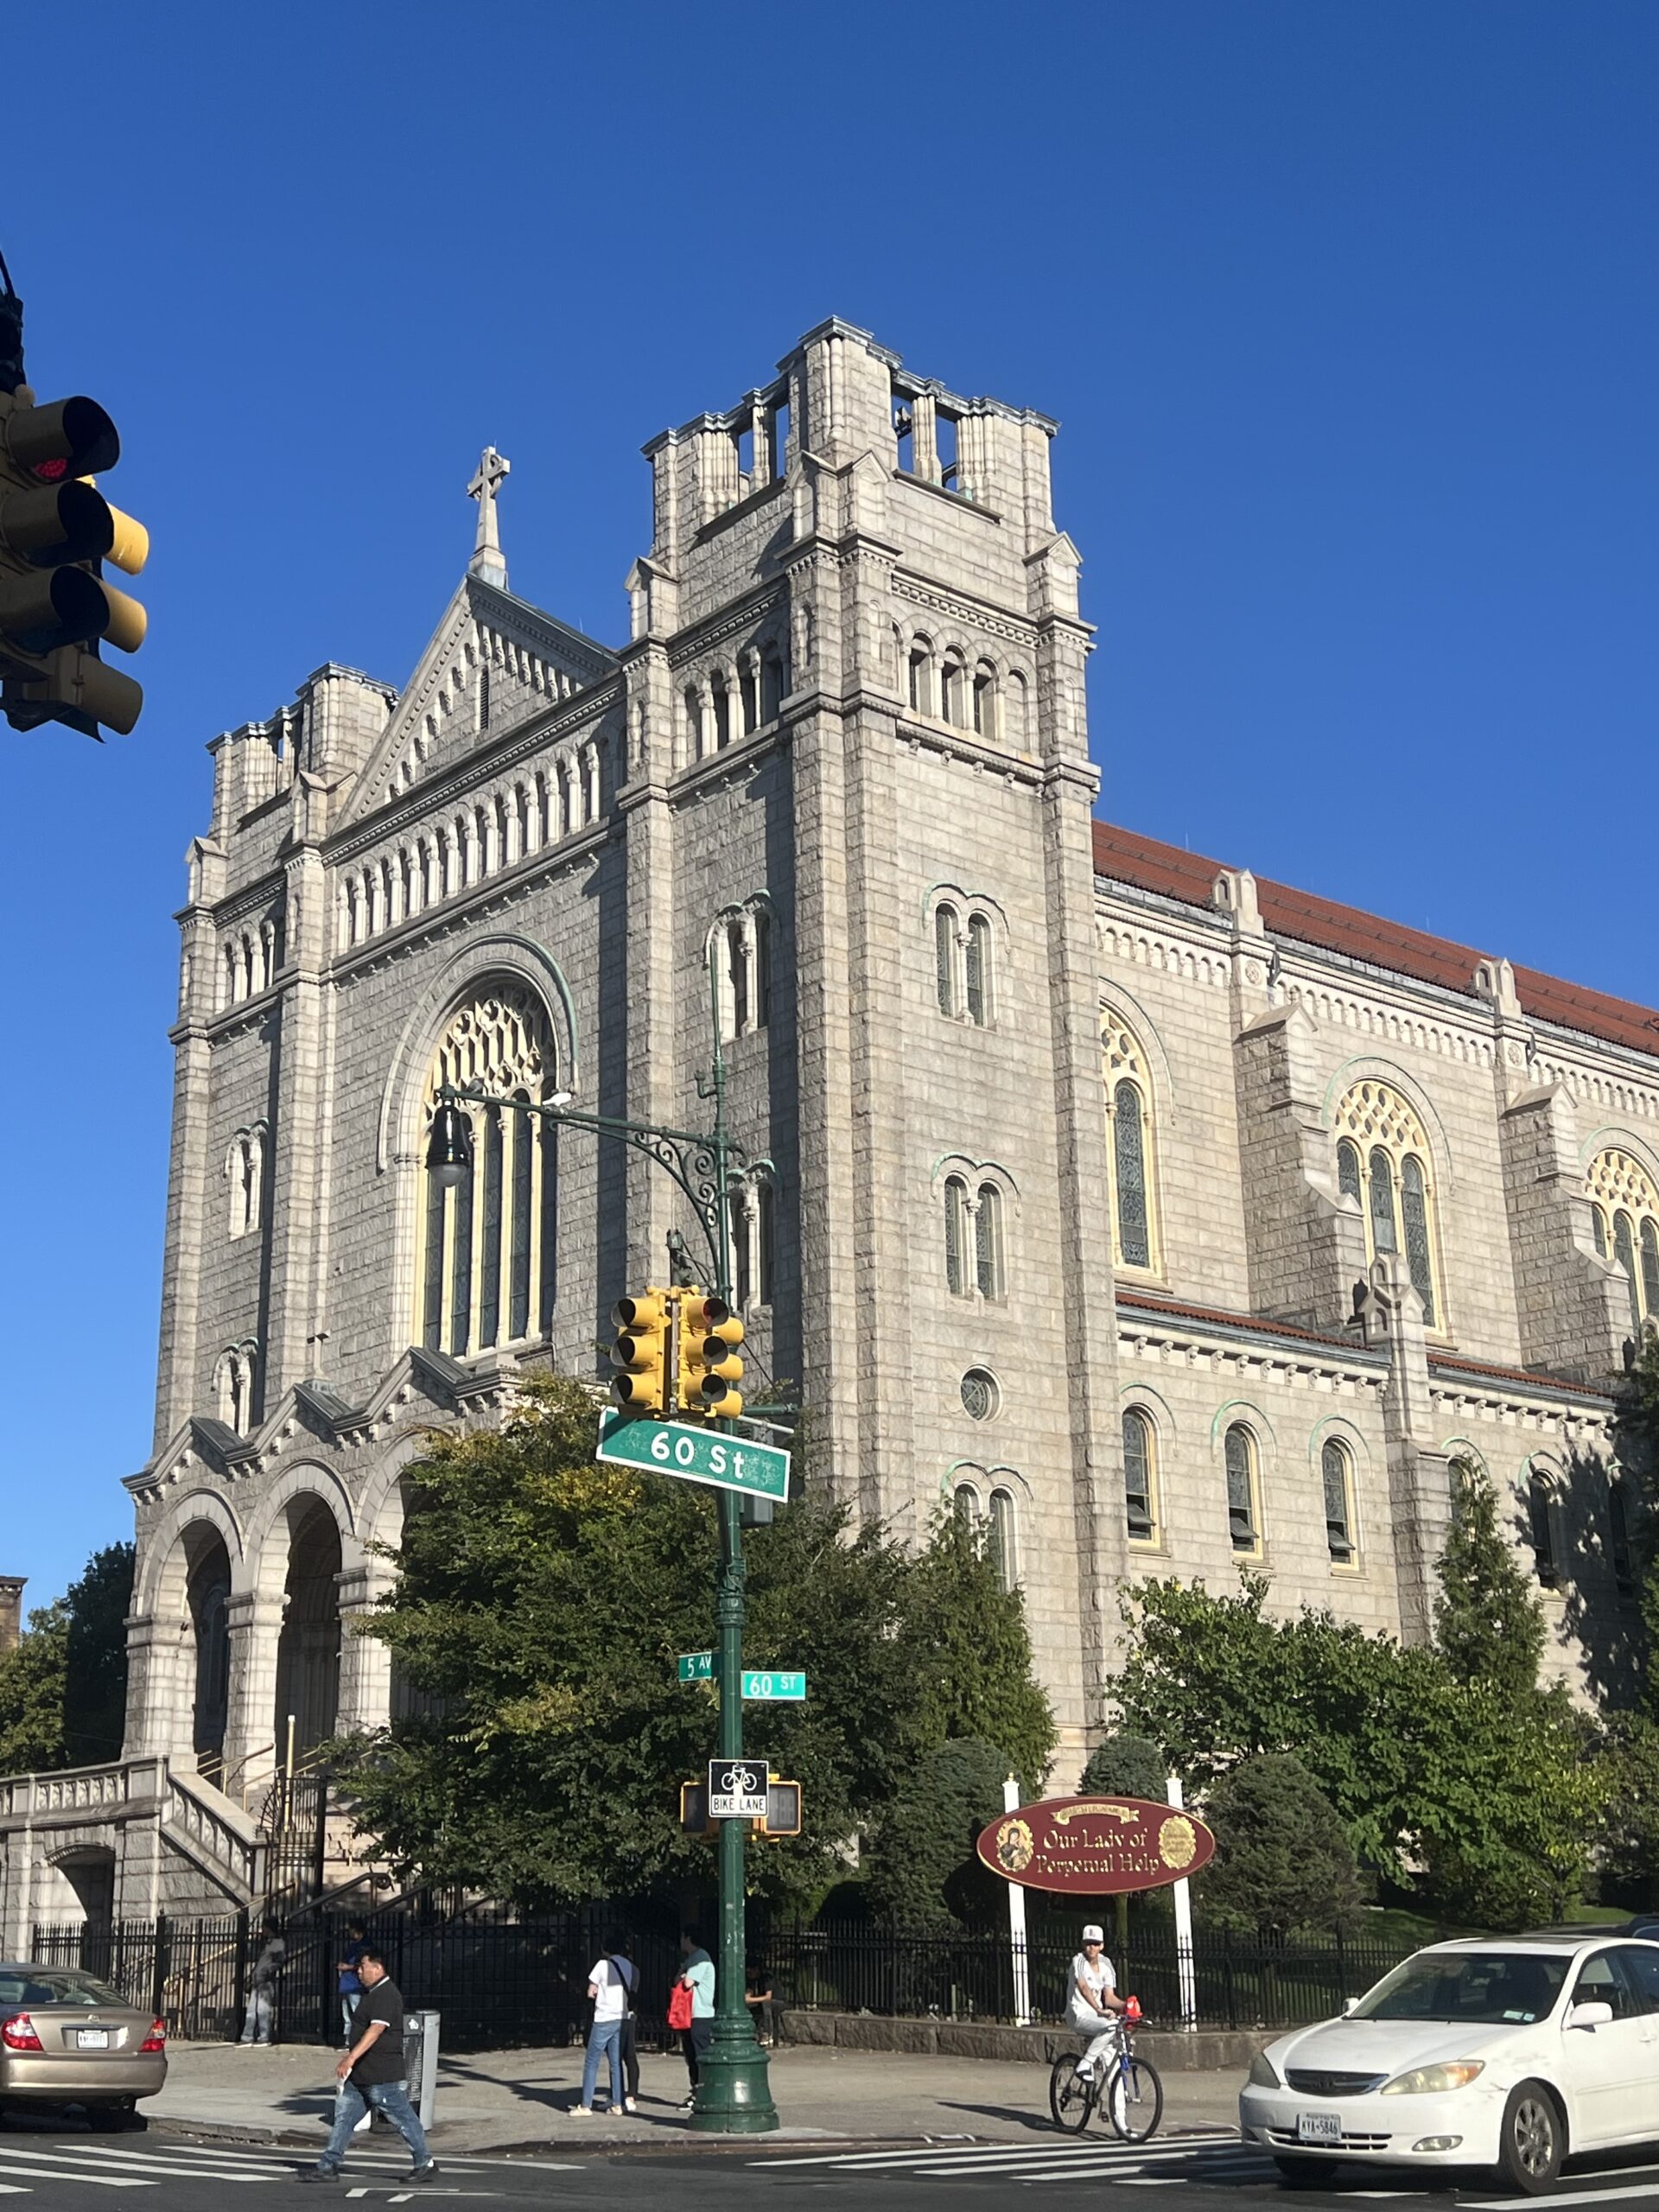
(233, 1630)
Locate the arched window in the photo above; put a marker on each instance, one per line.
(944, 958)
(740, 949)
(1129, 1147)
(965, 1503)
(1338, 1470)
(956, 1235)
(1380, 1138)
(484, 1247)
(977, 970)
(953, 686)
(987, 1242)
(1140, 1477)
(1540, 1528)
(1624, 1202)
(1004, 1555)
(1243, 1489)
(921, 675)
(985, 701)
(772, 685)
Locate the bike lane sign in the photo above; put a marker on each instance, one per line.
(737, 1789)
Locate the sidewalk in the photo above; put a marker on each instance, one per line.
(520, 2099)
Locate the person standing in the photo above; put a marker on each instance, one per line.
(610, 1985)
(697, 1976)
(1092, 1999)
(261, 1990)
(351, 1982)
(371, 2075)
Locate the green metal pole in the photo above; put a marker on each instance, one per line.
(734, 2090)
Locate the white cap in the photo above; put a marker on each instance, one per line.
(1093, 1934)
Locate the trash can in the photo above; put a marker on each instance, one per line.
(421, 2063)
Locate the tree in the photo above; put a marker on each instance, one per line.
(537, 1608)
(1283, 1862)
(921, 1867)
(63, 1687)
(1126, 1766)
(1489, 1621)
(966, 1638)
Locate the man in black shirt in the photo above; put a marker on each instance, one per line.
(371, 2073)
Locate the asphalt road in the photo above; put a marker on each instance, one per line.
(68, 2170)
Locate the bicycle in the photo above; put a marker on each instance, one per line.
(1128, 2086)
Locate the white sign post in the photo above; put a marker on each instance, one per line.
(1017, 1925)
(1185, 1976)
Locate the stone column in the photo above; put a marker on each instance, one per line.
(254, 1625)
(365, 1696)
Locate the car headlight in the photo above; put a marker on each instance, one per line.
(1434, 2081)
(1263, 2075)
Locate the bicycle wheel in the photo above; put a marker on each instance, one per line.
(1070, 2101)
(1134, 2099)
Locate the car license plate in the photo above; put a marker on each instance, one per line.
(91, 2039)
(1318, 2127)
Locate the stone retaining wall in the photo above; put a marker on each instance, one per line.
(1205, 2051)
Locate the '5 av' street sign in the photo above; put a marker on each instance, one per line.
(696, 1455)
(761, 1685)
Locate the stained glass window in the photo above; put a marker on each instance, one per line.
(1540, 1524)
(1128, 1146)
(1382, 1236)
(549, 1237)
(978, 965)
(1651, 1267)
(988, 1241)
(966, 1503)
(1413, 1212)
(956, 1226)
(1625, 1253)
(432, 1293)
(1348, 1171)
(1140, 1504)
(523, 1133)
(944, 958)
(1598, 1229)
(1240, 1450)
(1338, 1502)
(489, 1298)
(460, 1289)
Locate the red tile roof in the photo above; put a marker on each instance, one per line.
(1126, 857)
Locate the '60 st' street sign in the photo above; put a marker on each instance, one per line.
(696, 1455)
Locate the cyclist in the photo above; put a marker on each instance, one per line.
(1092, 1999)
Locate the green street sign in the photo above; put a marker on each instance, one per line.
(696, 1455)
(696, 1666)
(769, 1688)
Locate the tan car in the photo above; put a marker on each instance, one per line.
(65, 2038)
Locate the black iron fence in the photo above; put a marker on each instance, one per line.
(501, 1977)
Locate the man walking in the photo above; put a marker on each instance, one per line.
(697, 1973)
(371, 2075)
(611, 1985)
(262, 1990)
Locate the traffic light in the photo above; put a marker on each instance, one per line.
(56, 532)
(783, 1809)
(641, 1352)
(710, 1367)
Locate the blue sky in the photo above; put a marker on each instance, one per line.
(1348, 314)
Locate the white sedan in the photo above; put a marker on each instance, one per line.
(1500, 2053)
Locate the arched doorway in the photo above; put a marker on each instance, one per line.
(308, 1651)
(207, 1601)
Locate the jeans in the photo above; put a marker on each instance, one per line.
(693, 2042)
(389, 2097)
(261, 2005)
(349, 2001)
(604, 2038)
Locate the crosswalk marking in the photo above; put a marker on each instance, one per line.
(148, 2162)
(1170, 2147)
(1563, 2196)
(57, 2173)
(1219, 2156)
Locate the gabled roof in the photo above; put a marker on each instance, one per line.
(434, 720)
(1124, 856)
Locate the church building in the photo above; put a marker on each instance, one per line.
(1167, 1220)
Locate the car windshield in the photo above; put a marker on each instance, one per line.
(44, 1989)
(1491, 1989)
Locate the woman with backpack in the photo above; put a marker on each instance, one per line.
(611, 1985)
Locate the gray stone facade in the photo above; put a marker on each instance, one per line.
(844, 754)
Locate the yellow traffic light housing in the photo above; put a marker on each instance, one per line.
(641, 1352)
(710, 1367)
(56, 531)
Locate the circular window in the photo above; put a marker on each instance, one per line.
(980, 1395)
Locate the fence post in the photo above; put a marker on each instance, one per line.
(1227, 1977)
(158, 1980)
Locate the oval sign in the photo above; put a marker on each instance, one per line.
(1095, 1847)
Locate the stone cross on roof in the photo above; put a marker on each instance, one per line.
(487, 560)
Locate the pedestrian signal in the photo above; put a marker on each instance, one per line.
(783, 1814)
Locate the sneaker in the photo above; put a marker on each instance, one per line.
(581, 2112)
(320, 2173)
(428, 2172)
(691, 2104)
(628, 2105)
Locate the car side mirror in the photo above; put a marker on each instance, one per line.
(1592, 2013)
(1350, 2005)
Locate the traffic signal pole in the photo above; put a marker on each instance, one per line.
(733, 2095)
